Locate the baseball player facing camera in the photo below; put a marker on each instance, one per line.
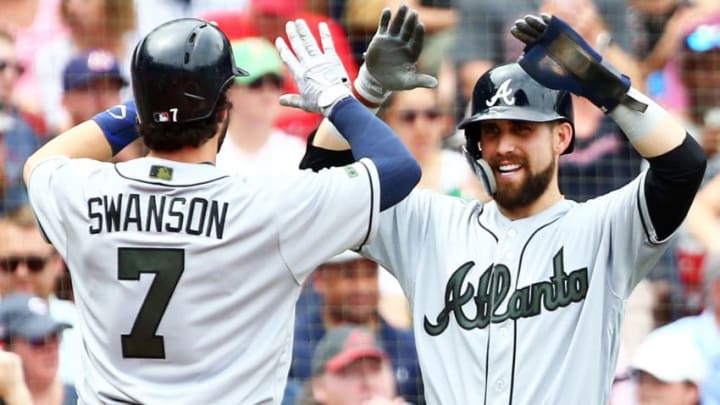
(520, 300)
(185, 278)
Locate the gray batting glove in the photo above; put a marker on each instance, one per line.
(320, 76)
(391, 57)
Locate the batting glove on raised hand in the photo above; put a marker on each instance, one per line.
(559, 58)
(391, 57)
(320, 76)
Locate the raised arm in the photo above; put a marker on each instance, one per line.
(557, 57)
(325, 88)
(389, 65)
(99, 138)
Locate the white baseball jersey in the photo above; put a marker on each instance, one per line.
(186, 279)
(521, 312)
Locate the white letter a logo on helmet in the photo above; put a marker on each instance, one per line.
(503, 92)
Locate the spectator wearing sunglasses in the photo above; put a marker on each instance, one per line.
(18, 140)
(30, 265)
(419, 121)
(254, 145)
(29, 331)
(416, 116)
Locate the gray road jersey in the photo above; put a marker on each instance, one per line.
(186, 279)
(522, 312)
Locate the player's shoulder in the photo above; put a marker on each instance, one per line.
(441, 207)
(55, 165)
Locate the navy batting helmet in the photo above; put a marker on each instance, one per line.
(180, 69)
(506, 92)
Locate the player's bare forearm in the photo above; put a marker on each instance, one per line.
(389, 65)
(653, 131)
(85, 140)
(99, 138)
(327, 138)
(579, 68)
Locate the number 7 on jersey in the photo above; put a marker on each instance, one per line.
(167, 265)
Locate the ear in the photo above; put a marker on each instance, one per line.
(58, 264)
(564, 135)
(692, 394)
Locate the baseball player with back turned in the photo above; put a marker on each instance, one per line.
(520, 300)
(185, 278)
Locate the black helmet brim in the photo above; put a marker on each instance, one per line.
(510, 113)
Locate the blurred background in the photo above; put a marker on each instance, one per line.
(62, 61)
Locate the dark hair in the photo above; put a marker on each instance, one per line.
(168, 137)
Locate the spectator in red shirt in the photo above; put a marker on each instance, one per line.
(267, 18)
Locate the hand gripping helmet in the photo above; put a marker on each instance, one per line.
(506, 92)
(180, 69)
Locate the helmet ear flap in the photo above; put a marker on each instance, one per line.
(480, 167)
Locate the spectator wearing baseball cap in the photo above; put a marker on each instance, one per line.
(28, 330)
(348, 294)
(350, 367)
(704, 329)
(254, 145)
(669, 369)
(92, 82)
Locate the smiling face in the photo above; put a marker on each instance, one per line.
(523, 156)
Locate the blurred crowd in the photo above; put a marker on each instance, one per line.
(62, 61)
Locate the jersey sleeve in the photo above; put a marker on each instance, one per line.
(423, 219)
(328, 212)
(626, 231)
(49, 181)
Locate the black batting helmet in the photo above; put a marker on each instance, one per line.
(507, 92)
(180, 69)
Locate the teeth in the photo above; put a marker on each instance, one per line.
(508, 168)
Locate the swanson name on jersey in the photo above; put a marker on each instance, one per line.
(151, 213)
(561, 290)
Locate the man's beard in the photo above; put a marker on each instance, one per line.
(512, 196)
(358, 314)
